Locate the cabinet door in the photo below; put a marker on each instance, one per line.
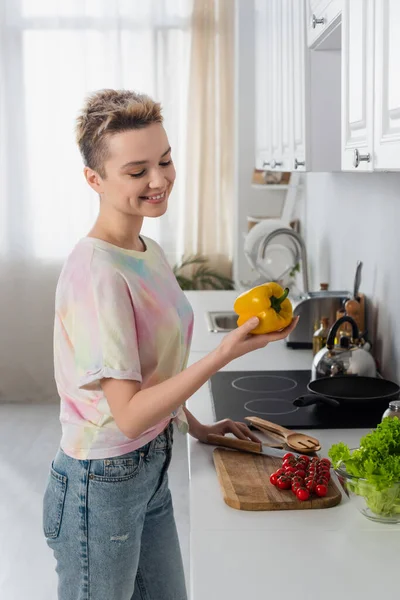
(263, 91)
(272, 127)
(287, 75)
(323, 16)
(299, 76)
(357, 85)
(274, 75)
(387, 85)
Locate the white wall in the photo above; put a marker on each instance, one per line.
(355, 216)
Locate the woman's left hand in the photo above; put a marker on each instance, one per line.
(240, 430)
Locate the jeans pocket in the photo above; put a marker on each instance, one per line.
(121, 468)
(53, 503)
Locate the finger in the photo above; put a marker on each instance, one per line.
(248, 326)
(237, 431)
(248, 432)
(277, 335)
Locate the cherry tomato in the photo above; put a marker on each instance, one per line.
(273, 479)
(300, 473)
(315, 460)
(295, 486)
(301, 467)
(279, 472)
(290, 470)
(322, 481)
(311, 485)
(287, 463)
(325, 461)
(321, 490)
(288, 455)
(305, 458)
(284, 483)
(302, 494)
(324, 472)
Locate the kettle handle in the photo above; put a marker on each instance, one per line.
(330, 342)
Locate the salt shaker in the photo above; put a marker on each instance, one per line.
(393, 410)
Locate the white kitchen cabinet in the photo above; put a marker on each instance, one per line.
(297, 117)
(272, 127)
(263, 87)
(358, 85)
(299, 75)
(387, 85)
(323, 23)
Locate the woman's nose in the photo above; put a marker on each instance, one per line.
(157, 179)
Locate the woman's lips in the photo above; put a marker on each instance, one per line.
(155, 199)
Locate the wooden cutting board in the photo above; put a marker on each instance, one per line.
(244, 480)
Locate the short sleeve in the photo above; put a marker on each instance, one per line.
(102, 329)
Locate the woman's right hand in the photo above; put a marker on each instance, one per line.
(241, 341)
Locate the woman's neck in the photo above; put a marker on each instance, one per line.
(119, 229)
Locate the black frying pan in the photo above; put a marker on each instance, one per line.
(342, 391)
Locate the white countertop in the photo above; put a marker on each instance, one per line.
(302, 555)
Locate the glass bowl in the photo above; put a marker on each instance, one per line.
(380, 505)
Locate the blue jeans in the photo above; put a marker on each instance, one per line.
(111, 526)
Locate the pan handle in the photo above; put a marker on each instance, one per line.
(309, 399)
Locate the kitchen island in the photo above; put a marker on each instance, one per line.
(302, 555)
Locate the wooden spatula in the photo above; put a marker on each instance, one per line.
(297, 441)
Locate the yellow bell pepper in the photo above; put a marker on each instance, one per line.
(268, 302)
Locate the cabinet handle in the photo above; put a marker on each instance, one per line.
(316, 21)
(299, 163)
(266, 163)
(360, 157)
(274, 164)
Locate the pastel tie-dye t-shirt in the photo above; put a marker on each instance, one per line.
(121, 314)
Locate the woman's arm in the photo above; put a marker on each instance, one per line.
(135, 410)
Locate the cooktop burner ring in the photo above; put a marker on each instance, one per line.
(258, 406)
(278, 384)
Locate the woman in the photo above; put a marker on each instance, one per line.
(121, 342)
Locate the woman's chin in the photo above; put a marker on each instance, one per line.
(153, 209)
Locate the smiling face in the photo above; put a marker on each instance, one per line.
(138, 174)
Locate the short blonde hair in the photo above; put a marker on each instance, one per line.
(107, 112)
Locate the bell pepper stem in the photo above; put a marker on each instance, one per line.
(277, 302)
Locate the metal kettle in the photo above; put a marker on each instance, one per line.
(349, 357)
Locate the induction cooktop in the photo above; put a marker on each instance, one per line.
(270, 395)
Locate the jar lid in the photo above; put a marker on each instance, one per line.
(395, 405)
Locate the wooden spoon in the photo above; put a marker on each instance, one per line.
(297, 441)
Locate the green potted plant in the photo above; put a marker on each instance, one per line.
(201, 278)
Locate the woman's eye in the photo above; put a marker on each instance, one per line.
(165, 164)
(138, 174)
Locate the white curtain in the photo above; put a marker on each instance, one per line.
(52, 53)
(209, 173)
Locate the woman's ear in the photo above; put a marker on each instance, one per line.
(93, 179)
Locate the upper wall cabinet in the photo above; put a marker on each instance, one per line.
(357, 85)
(371, 85)
(323, 23)
(272, 85)
(297, 117)
(387, 85)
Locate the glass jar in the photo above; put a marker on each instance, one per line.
(393, 410)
